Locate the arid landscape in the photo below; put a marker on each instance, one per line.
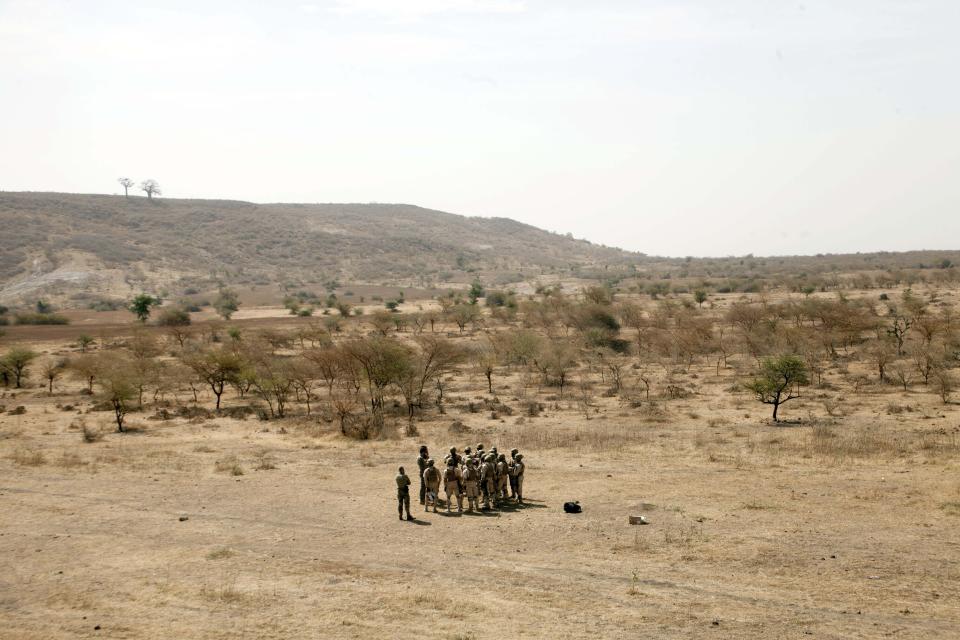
(479, 320)
(225, 467)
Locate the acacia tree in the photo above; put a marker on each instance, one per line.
(944, 383)
(327, 364)
(217, 368)
(52, 370)
(226, 303)
(84, 342)
(464, 314)
(556, 361)
(486, 358)
(126, 183)
(117, 381)
(382, 362)
(143, 350)
(151, 187)
(87, 367)
(882, 353)
(14, 364)
(141, 306)
(303, 377)
(381, 321)
(273, 382)
(779, 380)
(436, 357)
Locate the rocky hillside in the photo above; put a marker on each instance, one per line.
(71, 247)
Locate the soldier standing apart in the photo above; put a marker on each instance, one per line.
(518, 469)
(403, 494)
(422, 465)
(451, 486)
(431, 478)
(470, 478)
(513, 477)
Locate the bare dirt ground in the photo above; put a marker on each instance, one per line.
(230, 528)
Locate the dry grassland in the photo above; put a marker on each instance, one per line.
(840, 526)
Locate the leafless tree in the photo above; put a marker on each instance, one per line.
(151, 187)
(126, 183)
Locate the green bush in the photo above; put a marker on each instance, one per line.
(173, 317)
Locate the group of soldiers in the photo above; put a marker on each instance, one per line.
(475, 474)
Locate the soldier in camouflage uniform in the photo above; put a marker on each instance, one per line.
(422, 466)
(471, 478)
(403, 494)
(518, 469)
(451, 486)
(503, 476)
(487, 480)
(513, 477)
(453, 455)
(431, 478)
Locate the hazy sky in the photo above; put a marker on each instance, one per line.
(701, 127)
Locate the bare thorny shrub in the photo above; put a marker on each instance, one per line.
(88, 433)
(28, 457)
(264, 460)
(229, 464)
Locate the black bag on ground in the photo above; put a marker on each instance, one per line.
(572, 507)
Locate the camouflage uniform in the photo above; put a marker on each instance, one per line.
(513, 478)
(431, 478)
(518, 469)
(403, 494)
(503, 476)
(487, 485)
(451, 486)
(471, 477)
(453, 455)
(422, 465)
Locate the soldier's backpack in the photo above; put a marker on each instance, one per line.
(572, 507)
(431, 475)
(469, 474)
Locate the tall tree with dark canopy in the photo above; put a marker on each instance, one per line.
(141, 305)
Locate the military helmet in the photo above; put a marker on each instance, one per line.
(519, 456)
(514, 452)
(467, 450)
(502, 458)
(453, 449)
(423, 448)
(479, 445)
(491, 457)
(430, 462)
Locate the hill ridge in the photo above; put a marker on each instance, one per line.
(68, 244)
